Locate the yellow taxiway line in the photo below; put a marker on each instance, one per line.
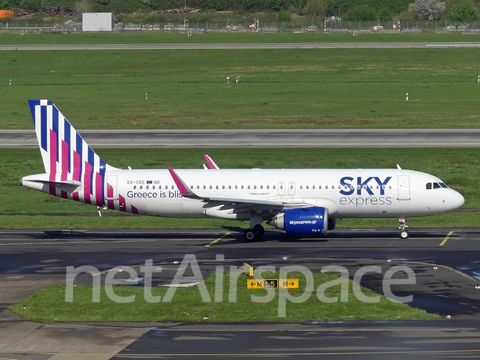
(446, 239)
(218, 239)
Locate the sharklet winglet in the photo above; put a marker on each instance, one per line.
(182, 187)
(210, 162)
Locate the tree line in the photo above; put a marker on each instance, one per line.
(348, 10)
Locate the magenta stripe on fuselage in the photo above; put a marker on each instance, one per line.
(65, 156)
(98, 189)
(53, 160)
(87, 182)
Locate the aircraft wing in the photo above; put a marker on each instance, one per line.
(238, 205)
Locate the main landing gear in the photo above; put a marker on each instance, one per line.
(255, 234)
(403, 228)
(256, 230)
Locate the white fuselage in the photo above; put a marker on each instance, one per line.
(349, 193)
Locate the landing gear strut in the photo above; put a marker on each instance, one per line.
(256, 230)
(403, 228)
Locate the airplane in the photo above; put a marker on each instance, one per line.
(305, 203)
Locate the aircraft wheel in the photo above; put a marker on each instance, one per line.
(258, 230)
(249, 235)
(404, 234)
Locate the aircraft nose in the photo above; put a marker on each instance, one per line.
(457, 200)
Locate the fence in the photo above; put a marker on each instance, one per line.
(328, 26)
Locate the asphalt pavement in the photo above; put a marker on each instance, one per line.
(447, 270)
(262, 138)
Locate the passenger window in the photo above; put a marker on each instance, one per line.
(191, 187)
(210, 187)
(326, 187)
(301, 187)
(216, 187)
(429, 186)
(242, 187)
(261, 187)
(204, 187)
(223, 187)
(229, 187)
(306, 187)
(281, 187)
(134, 187)
(320, 187)
(268, 187)
(147, 187)
(313, 187)
(291, 187)
(248, 187)
(273, 187)
(255, 187)
(141, 187)
(159, 187)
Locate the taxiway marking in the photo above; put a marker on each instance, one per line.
(218, 239)
(446, 239)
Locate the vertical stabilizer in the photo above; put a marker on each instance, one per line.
(67, 158)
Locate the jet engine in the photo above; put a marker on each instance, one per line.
(308, 222)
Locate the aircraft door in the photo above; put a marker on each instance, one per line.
(112, 192)
(281, 188)
(291, 188)
(403, 187)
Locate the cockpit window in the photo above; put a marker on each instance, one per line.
(436, 186)
(429, 186)
(443, 185)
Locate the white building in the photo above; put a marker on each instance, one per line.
(97, 21)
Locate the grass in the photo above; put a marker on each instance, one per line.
(293, 88)
(48, 305)
(25, 208)
(9, 37)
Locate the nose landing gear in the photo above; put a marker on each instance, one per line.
(403, 228)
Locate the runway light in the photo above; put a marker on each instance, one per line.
(175, 262)
(435, 268)
(389, 261)
(448, 317)
(120, 270)
(205, 318)
(477, 287)
(284, 258)
(24, 307)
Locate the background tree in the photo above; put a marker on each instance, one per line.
(463, 12)
(316, 8)
(384, 14)
(427, 9)
(361, 13)
(284, 15)
(83, 6)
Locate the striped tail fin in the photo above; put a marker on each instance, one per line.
(67, 158)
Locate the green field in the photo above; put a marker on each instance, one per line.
(13, 37)
(312, 88)
(25, 208)
(49, 305)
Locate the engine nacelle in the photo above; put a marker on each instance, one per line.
(310, 221)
